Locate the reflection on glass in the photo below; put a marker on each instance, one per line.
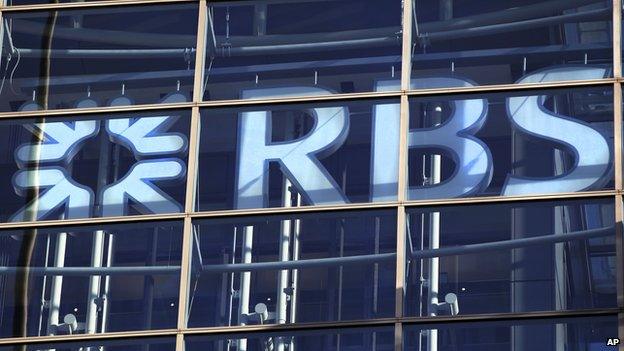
(293, 268)
(518, 257)
(502, 42)
(153, 344)
(515, 143)
(361, 339)
(336, 46)
(98, 57)
(93, 166)
(77, 280)
(584, 333)
(252, 157)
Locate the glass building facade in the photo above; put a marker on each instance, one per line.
(327, 175)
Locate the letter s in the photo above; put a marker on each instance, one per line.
(589, 147)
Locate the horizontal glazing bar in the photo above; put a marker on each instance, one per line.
(104, 109)
(92, 221)
(411, 320)
(324, 208)
(328, 325)
(78, 337)
(71, 5)
(306, 99)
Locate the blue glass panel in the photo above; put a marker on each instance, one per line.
(98, 57)
(89, 279)
(511, 257)
(153, 344)
(583, 333)
(325, 150)
(93, 165)
(362, 339)
(502, 42)
(293, 268)
(512, 143)
(337, 46)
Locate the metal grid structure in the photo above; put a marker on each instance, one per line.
(400, 206)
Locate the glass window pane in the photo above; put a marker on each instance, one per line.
(89, 279)
(308, 47)
(293, 268)
(298, 154)
(361, 339)
(98, 57)
(93, 165)
(516, 41)
(584, 333)
(511, 257)
(512, 143)
(153, 344)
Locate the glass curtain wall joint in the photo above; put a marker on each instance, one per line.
(328, 175)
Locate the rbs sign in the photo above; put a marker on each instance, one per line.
(299, 159)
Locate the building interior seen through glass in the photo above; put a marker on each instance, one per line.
(311, 175)
(98, 57)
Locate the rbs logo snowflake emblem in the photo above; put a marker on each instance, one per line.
(61, 141)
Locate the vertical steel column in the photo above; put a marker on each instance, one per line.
(57, 284)
(433, 226)
(97, 249)
(107, 282)
(281, 306)
(245, 282)
(295, 272)
(97, 256)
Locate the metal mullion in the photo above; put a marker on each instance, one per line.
(394, 204)
(191, 176)
(200, 52)
(400, 262)
(256, 328)
(282, 210)
(617, 134)
(620, 326)
(185, 273)
(398, 337)
(406, 53)
(402, 181)
(87, 337)
(92, 221)
(520, 198)
(619, 257)
(193, 155)
(191, 181)
(619, 215)
(260, 328)
(86, 4)
(180, 342)
(246, 330)
(617, 38)
(595, 312)
(302, 98)
(95, 110)
(287, 210)
(511, 87)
